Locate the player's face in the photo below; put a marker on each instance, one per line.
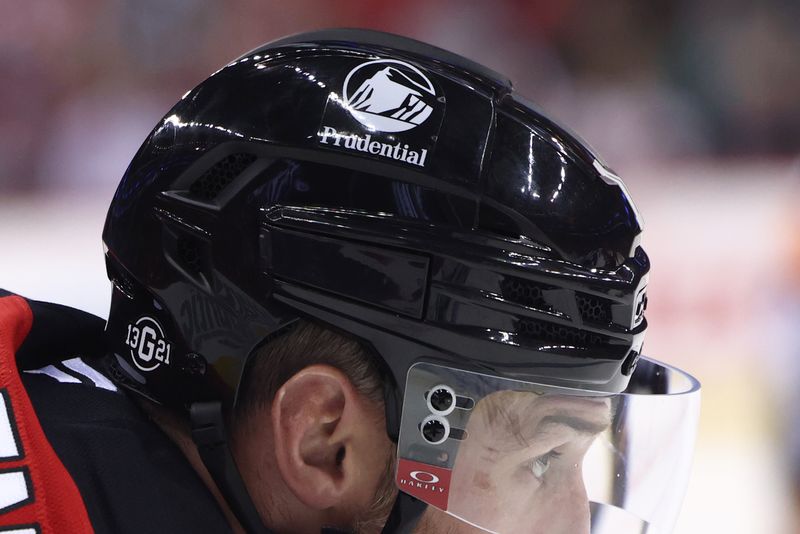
(520, 468)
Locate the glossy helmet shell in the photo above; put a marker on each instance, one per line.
(388, 189)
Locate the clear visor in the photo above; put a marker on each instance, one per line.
(509, 456)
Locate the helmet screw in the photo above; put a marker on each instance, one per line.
(441, 400)
(435, 429)
(195, 364)
(629, 365)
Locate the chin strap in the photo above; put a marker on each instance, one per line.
(211, 439)
(405, 514)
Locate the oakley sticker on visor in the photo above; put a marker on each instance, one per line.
(386, 109)
(148, 344)
(423, 481)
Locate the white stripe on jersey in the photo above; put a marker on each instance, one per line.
(56, 373)
(79, 366)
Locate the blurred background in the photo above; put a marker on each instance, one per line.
(696, 104)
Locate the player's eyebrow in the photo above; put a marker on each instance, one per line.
(579, 424)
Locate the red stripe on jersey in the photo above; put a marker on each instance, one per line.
(54, 502)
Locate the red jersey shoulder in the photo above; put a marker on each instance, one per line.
(37, 494)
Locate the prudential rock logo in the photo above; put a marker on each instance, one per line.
(379, 101)
(394, 97)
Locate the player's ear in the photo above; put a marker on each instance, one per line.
(330, 441)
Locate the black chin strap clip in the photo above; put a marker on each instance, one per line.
(211, 439)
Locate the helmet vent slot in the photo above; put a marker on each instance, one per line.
(558, 334)
(526, 293)
(212, 182)
(593, 309)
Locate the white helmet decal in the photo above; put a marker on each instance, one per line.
(392, 98)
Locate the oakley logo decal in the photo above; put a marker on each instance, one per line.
(426, 482)
(424, 477)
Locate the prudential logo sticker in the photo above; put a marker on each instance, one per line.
(387, 109)
(388, 95)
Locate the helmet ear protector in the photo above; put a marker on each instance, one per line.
(407, 197)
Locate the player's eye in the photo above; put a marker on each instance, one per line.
(541, 464)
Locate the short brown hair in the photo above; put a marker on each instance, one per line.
(307, 343)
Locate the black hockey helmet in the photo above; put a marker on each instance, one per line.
(403, 195)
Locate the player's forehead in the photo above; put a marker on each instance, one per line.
(525, 412)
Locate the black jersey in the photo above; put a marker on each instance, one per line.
(76, 453)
